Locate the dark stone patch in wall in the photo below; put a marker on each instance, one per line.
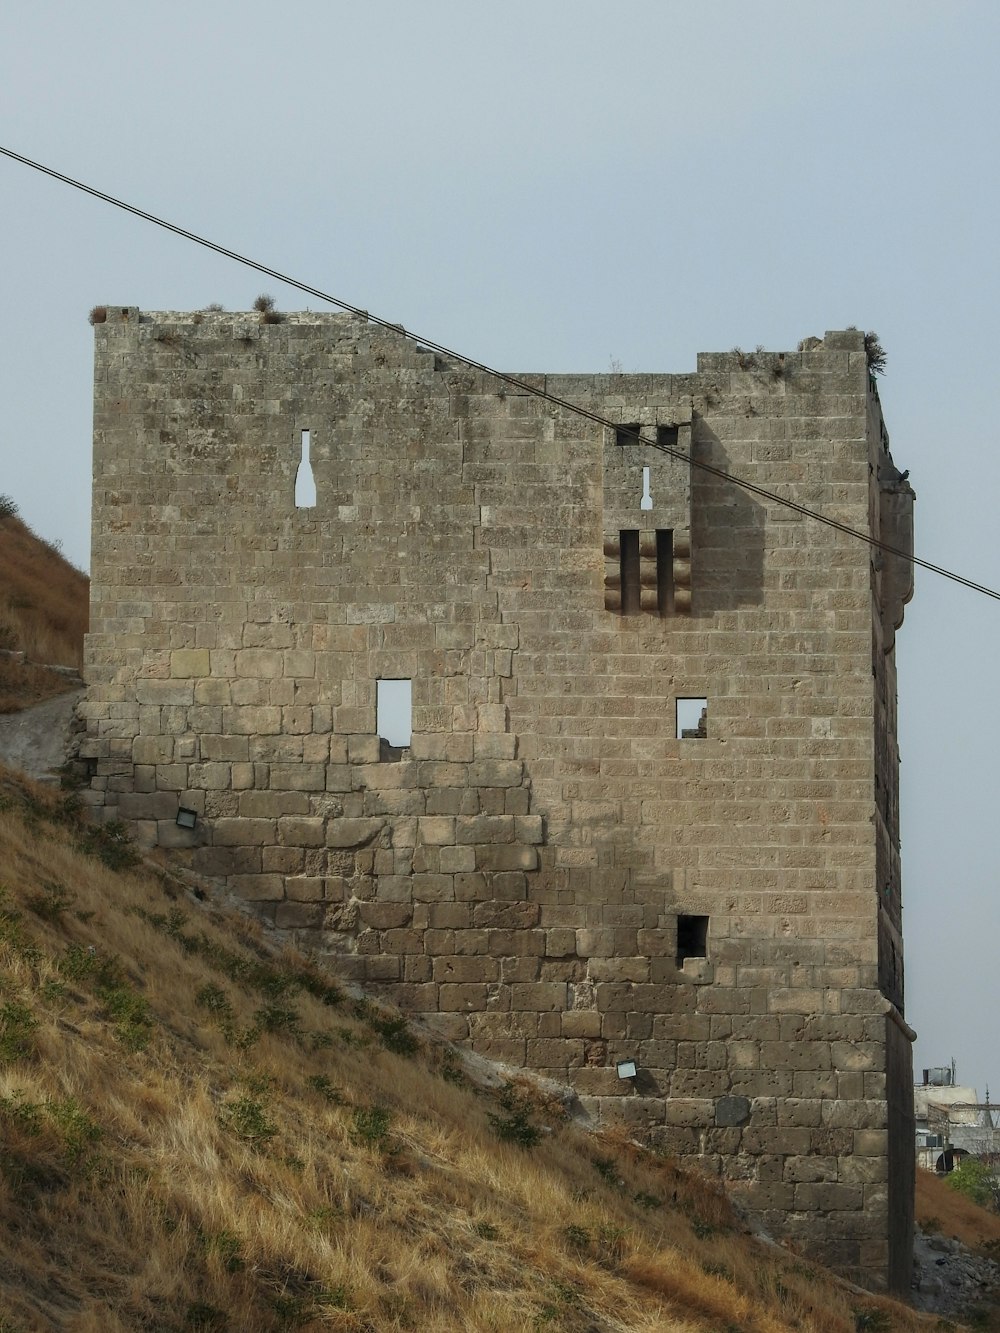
(727, 534)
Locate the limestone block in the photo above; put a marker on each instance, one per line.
(436, 830)
(302, 832)
(298, 777)
(209, 776)
(272, 804)
(162, 692)
(776, 1141)
(689, 1111)
(189, 662)
(442, 773)
(854, 1115)
(363, 749)
(504, 857)
(860, 1056)
(517, 801)
(296, 720)
(211, 691)
(251, 692)
(492, 717)
(250, 720)
(539, 995)
(495, 773)
(298, 915)
(462, 998)
(618, 969)
(581, 1023)
(484, 829)
(259, 663)
(528, 829)
(257, 888)
(595, 943)
(395, 888)
(457, 859)
(560, 942)
(598, 1082)
(300, 663)
(785, 1000)
(161, 805)
(304, 888)
(352, 832)
(473, 887)
(243, 832)
(495, 745)
(558, 1055)
(499, 915)
(383, 968)
(339, 777)
(462, 968)
(152, 749)
(826, 1196)
(800, 1111)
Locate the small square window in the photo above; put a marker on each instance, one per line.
(692, 719)
(628, 434)
(692, 938)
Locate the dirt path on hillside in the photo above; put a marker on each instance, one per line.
(35, 739)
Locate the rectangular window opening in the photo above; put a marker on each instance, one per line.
(692, 938)
(692, 719)
(667, 435)
(393, 717)
(627, 434)
(631, 574)
(665, 571)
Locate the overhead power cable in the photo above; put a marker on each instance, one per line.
(522, 386)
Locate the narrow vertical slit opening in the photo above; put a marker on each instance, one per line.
(630, 572)
(647, 499)
(305, 482)
(665, 571)
(393, 717)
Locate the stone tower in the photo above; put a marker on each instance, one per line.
(582, 752)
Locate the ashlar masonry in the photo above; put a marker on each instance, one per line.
(638, 798)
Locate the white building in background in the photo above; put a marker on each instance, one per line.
(951, 1122)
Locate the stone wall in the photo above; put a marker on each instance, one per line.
(550, 871)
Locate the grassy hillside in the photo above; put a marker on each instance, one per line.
(944, 1211)
(44, 603)
(196, 1133)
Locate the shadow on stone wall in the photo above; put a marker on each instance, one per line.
(727, 535)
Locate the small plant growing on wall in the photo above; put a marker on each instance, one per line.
(875, 353)
(98, 314)
(264, 305)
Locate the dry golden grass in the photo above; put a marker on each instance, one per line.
(943, 1210)
(194, 1134)
(23, 684)
(44, 600)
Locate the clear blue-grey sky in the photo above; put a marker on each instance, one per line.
(549, 186)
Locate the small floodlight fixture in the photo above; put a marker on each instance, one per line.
(186, 818)
(626, 1069)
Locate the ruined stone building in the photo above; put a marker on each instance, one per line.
(636, 800)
